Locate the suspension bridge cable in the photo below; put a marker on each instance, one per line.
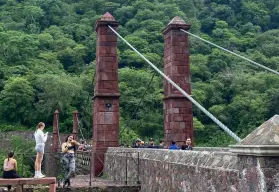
(226, 129)
(224, 49)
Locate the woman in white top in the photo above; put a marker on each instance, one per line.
(10, 168)
(40, 138)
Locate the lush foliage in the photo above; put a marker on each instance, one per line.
(24, 162)
(48, 50)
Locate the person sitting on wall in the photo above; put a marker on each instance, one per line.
(10, 168)
(187, 145)
(173, 146)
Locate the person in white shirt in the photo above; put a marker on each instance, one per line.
(40, 138)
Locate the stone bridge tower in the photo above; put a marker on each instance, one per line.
(178, 115)
(106, 94)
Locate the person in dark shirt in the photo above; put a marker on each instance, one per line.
(137, 144)
(187, 146)
(151, 143)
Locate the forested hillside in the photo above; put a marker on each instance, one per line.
(47, 62)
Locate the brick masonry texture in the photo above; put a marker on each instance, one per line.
(106, 93)
(178, 116)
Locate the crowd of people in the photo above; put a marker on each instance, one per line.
(68, 148)
(151, 144)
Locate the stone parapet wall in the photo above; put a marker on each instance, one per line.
(215, 149)
(170, 170)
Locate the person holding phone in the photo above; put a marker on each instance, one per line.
(40, 139)
(68, 149)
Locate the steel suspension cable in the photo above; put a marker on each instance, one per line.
(224, 49)
(226, 129)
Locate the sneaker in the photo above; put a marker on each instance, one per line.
(41, 175)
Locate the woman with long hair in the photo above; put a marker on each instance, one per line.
(40, 138)
(68, 149)
(10, 168)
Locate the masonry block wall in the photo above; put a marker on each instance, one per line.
(178, 117)
(251, 165)
(106, 95)
(174, 170)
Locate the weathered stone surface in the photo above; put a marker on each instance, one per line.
(166, 170)
(75, 124)
(258, 158)
(108, 17)
(266, 134)
(178, 117)
(263, 141)
(106, 93)
(55, 138)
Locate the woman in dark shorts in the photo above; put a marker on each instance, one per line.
(10, 168)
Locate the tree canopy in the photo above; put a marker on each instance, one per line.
(47, 62)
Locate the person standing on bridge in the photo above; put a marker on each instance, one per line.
(173, 146)
(68, 148)
(40, 139)
(187, 145)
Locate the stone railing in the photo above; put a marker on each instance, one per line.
(170, 170)
(83, 162)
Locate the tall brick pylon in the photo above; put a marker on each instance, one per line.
(55, 132)
(106, 94)
(178, 115)
(75, 124)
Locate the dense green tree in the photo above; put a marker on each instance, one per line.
(48, 53)
(17, 100)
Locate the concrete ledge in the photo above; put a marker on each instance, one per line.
(255, 150)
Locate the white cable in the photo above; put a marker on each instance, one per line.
(226, 129)
(224, 49)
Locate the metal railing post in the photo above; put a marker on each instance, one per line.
(126, 172)
(90, 176)
(22, 165)
(138, 181)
